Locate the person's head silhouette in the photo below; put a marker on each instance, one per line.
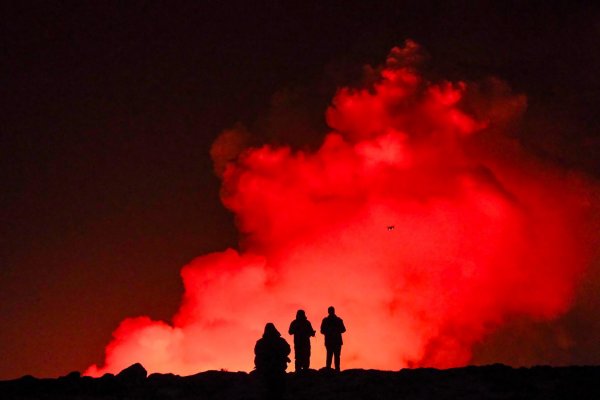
(271, 331)
(331, 310)
(300, 314)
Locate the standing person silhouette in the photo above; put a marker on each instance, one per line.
(333, 327)
(270, 360)
(302, 330)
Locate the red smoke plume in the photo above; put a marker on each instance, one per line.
(418, 217)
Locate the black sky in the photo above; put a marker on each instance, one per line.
(109, 110)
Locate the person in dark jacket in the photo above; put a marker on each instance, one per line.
(270, 360)
(333, 327)
(302, 330)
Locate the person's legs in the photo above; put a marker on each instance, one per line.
(302, 357)
(336, 354)
(305, 357)
(329, 357)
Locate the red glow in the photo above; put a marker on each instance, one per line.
(482, 232)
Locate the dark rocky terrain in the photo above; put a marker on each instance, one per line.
(485, 382)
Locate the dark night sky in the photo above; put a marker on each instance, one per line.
(109, 111)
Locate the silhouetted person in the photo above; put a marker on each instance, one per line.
(302, 330)
(270, 360)
(333, 327)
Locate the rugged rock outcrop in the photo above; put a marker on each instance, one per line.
(485, 382)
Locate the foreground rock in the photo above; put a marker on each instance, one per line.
(487, 382)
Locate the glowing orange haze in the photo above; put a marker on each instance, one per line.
(481, 232)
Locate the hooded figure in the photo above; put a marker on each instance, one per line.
(302, 330)
(270, 360)
(271, 351)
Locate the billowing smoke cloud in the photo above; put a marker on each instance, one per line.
(419, 218)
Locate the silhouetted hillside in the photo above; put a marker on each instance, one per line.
(486, 382)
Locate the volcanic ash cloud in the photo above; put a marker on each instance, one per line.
(419, 217)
